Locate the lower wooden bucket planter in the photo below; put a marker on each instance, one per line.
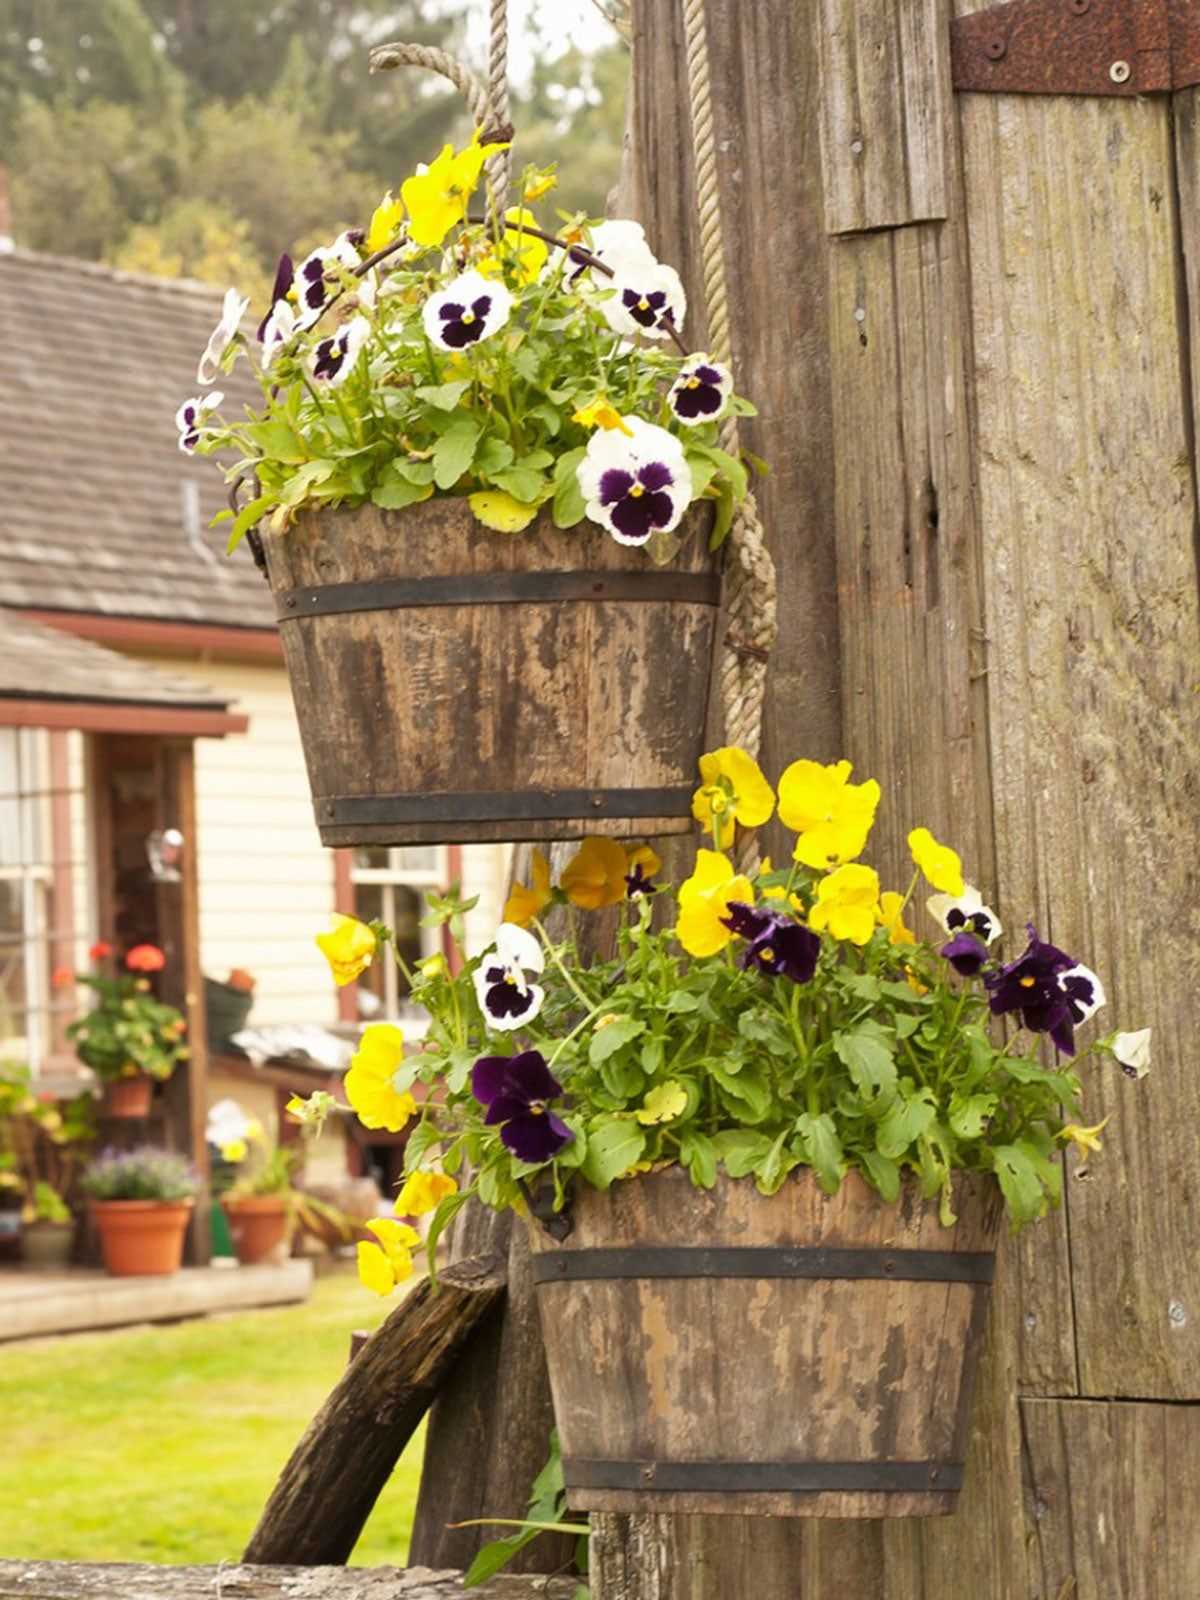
(799, 1355)
(452, 683)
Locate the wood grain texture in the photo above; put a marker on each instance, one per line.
(661, 1370)
(499, 698)
(1086, 490)
(327, 1490)
(69, 1580)
(1115, 1486)
(886, 113)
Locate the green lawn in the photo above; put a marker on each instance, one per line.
(162, 1443)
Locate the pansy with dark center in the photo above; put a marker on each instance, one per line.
(639, 501)
(517, 1090)
(464, 324)
(334, 357)
(635, 480)
(965, 953)
(700, 391)
(778, 944)
(639, 881)
(285, 272)
(189, 419)
(1050, 991)
(502, 987)
(646, 309)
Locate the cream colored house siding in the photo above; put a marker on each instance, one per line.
(266, 882)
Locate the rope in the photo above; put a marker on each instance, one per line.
(385, 56)
(498, 166)
(750, 589)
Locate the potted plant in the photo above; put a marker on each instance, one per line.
(48, 1234)
(258, 1203)
(227, 1007)
(130, 1039)
(12, 1200)
(478, 437)
(46, 1138)
(141, 1201)
(774, 1134)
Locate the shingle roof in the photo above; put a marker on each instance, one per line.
(39, 663)
(93, 487)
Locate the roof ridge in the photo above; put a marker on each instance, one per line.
(103, 269)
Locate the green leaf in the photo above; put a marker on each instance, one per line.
(443, 396)
(613, 1147)
(613, 1036)
(493, 455)
(246, 518)
(454, 453)
(445, 1214)
(421, 1140)
(698, 1154)
(822, 1149)
(740, 1150)
(905, 1120)
(882, 1174)
(569, 504)
(723, 520)
(774, 1168)
(1024, 1182)
(393, 491)
(867, 1054)
(746, 1093)
(523, 483)
(969, 1113)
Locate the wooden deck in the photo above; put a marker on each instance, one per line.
(65, 1580)
(34, 1304)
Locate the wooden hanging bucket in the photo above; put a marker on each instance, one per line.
(800, 1355)
(457, 684)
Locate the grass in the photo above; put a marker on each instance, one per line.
(163, 1443)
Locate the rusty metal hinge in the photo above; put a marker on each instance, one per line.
(1102, 47)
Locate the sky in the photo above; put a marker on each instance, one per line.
(564, 22)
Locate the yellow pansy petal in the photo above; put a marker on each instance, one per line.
(385, 222)
(595, 875)
(939, 864)
(381, 1047)
(704, 899)
(891, 917)
(538, 186)
(600, 413)
(374, 1269)
(833, 816)
(348, 947)
(846, 902)
(525, 902)
(422, 1192)
(643, 856)
(501, 512)
(1085, 1140)
(368, 1083)
(732, 782)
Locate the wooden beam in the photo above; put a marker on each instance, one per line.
(111, 716)
(175, 638)
(325, 1494)
(71, 1580)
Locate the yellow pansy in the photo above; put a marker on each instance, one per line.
(704, 899)
(385, 222)
(313, 1111)
(1085, 1140)
(369, 1086)
(601, 413)
(595, 875)
(938, 862)
(832, 815)
(891, 916)
(434, 966)
(236, 1150)
(664, 1103)
(388, 1261)
(540, 184)
(731, 787)
(642, 863)
(437, 196)
(422, 1192)
(348, 948)
(527, 901)
(501, 511)
(524, 251)
(846, 902)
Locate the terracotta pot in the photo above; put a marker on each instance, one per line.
(141, 1238)
(48, 1244)
(794, 1355)
(128, 1097)
(259, 1225)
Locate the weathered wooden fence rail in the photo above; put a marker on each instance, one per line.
(70, 1580)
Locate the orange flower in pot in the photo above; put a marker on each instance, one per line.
(141, 1201)
(130, 1039)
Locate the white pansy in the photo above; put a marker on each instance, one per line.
(233, 309)
(333, 359)
(468, 310)
(502, 987)
(965, 913)
(635, 482)
(189, 419)
(1132, 1052)
(643, 301)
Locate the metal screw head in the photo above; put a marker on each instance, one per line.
(1119, 71)
(856, 147)
(1177, 1313)
(1080, 6)
(996, 47)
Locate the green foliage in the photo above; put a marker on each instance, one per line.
(128, 1030)
(547, 1513)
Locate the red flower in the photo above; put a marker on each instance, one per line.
(61, 977)
(100, 951)
(145, 958)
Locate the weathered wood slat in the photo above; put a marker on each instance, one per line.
(69, 1580)
(325, 1494)
(1116, 1487)
(886, 112)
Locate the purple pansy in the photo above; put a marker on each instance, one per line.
(466, 311)
(972, 926)
(1052, 992)
(189, 419)
(700, 391)
(334, 358)
(635, 483)
(777, 943)
(965, 953)
(285, 272)
(517, 1090)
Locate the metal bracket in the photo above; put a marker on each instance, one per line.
(1097, 47)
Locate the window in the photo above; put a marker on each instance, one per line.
(389, 885)
(41, 890)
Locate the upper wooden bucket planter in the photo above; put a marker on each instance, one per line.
(802, 1355)
(457, 684)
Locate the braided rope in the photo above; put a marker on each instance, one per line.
(498, 166)
(751, 594)
(386, 56)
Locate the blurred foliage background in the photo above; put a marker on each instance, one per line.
(202, 137)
